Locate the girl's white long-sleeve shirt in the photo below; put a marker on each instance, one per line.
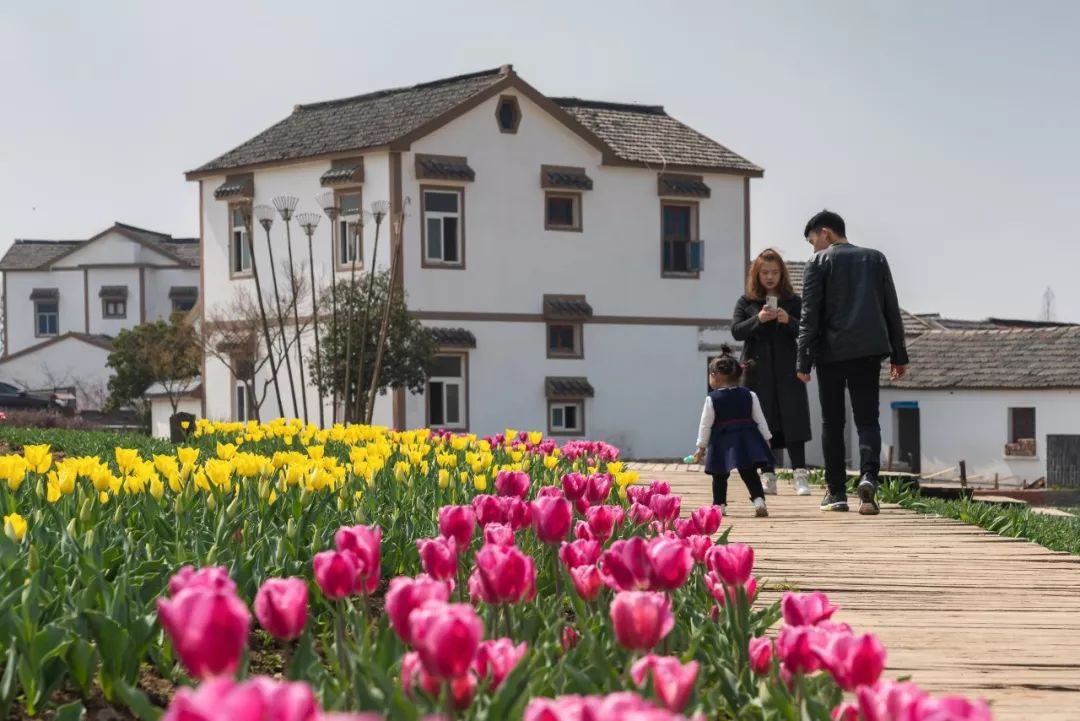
(708, 415)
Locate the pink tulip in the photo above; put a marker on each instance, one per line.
(599, 487)
(952, 708)
(671, 562)
(660, 488)
(890, 701)
(408, 594)
(603, 520)
(672, 680)
(553, 491)
(281, 607)
(699, 546)
(518, 513)
(363, 542)
(707, 519)
(684, 527)
(569, 638)
(795, 648)
(458, 523)
(639, 494)
(716, 588)
(574, 485)
(551, 519)
(438, 557)
(505, 574)
(582, 532)
(222, 699)
(512, 483)
(208, 629)
(845, 712)
(336, 573)
(666, 507)
(462, 689)
(851, 661)
(579, 553)
(641, 619)
(499, 534)
(732, 562)
(497, 659)
(446, 635)
(806, 609)
(488, 509)
(212, 578)
(587, 581)
(761, 650)
(626, 565)
(641, 514)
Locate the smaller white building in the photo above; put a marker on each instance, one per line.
(64, 301)
(188, 396)
(1005, 401)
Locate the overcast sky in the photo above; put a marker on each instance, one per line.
(945, 132)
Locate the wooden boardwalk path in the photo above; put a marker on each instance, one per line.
(960, 610)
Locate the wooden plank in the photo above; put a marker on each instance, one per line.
(959, 609)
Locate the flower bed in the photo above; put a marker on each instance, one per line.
(406, 575)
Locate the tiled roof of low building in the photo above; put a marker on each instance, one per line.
(453, 337)
(27, 254)
(568, 388)
(986, 359)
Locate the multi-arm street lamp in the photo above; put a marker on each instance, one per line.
(310, 221)
(286, 205)
(379, 211)
(328, 202)
(265, 216)
(354, 229)
(247, 212)
(384, 328)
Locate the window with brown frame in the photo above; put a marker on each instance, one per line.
(114, 308)
(443, 233)
(349, 247)
(508, 114)
(562, 211)
(564, 340)
(682, 252)
(566, 417)
(447, 392)
(46, 318)
(239, 249)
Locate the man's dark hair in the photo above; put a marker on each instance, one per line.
(826, 219)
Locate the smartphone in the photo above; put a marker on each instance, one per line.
(771, 302)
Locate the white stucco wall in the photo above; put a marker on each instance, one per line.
(68, 362)
(973, 425)
(161, 411)
(158, 283)
(20, 309)
(98, 277)
(114, 248)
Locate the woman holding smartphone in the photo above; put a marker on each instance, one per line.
(766, 321)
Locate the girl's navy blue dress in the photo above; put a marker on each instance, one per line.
(735, 441)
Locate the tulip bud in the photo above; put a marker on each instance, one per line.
(178, 505)
(39, 515)
(264, 489)
(34, 562)
(211, 556)
(211, 504)
(72, 529)
(118, 515)
(39, 489)
(290, 529)
(341, 505)
(88, 539)
(279, 551)
(86, 511)
(233, 508)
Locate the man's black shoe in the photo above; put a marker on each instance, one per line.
(868, 505)
(834, 502)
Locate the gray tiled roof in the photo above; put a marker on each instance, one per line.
(559, 306)
(571, 388)
(913, 324)
(634, 133)
(1016, 358)
(363, 121)
(566, 178)
(35, 254)
(453, 337)
(647, 134)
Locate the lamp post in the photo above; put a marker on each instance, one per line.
(247, 212)
(384, 327)
(379, 210)
(310, 221)
(328, 202)
(265, 216)
(285, 205)
(353, 229)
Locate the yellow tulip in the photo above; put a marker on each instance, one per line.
(444, 478)
(225, 451)
(187, 456)
(185, 424)
(15, 526)
(52, 493)
(401, 469)
(174, 483)
(615, 467)
(15, 474)
(38, 458)
(516, 456)
(157, 488)
(126, 458)
(103, 498)
(550, 462)
(219, 471)
(200, 481)
(316, 452)
(480, 483)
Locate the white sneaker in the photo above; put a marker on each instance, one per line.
(802, 482)
(769, 483)
(760, 510)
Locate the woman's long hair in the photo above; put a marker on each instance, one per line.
(754, 288)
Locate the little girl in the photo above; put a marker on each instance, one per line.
(733, 433)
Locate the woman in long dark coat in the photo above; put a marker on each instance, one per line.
(769, 352)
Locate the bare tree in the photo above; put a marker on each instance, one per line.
(1049, 311)
(232, 335)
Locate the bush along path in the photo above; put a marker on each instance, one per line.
(359, 572)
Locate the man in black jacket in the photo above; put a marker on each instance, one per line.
(850, 322)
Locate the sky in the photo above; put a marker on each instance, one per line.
(946, 133)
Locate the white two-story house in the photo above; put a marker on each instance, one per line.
(64, 301)
(575, 260)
